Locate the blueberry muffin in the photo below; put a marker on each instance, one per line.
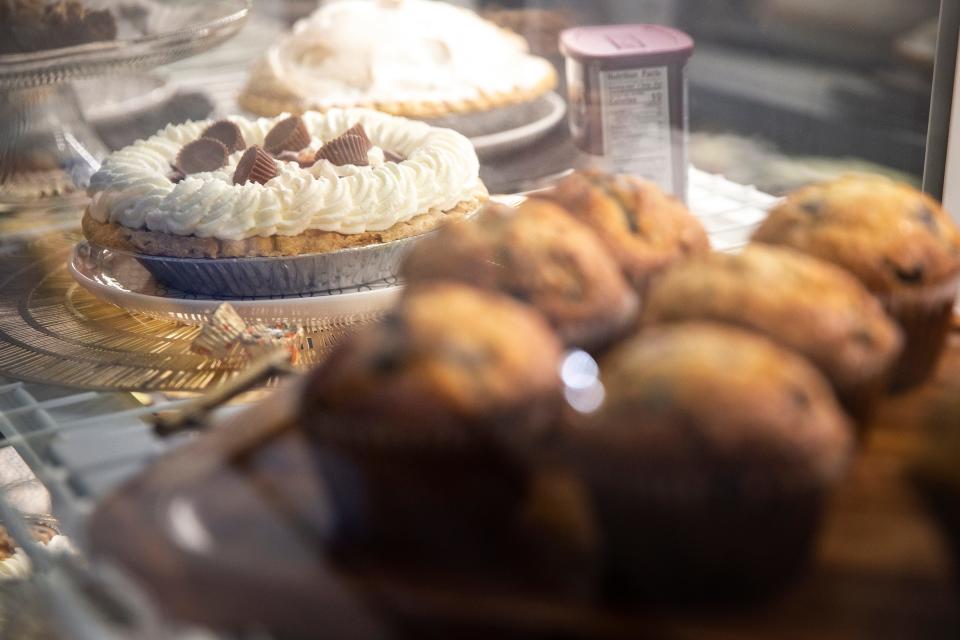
(708, 462)
(450, 365)
(540, 255)
(898, 241)
(427, 419)
(644, 228)
(807, 305)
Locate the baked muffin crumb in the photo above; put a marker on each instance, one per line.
(810, 306)
(899, 242)
(645, 229)
(537, 254)
(708, 462)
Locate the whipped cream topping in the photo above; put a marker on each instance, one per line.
(367, 51)
(440, 169)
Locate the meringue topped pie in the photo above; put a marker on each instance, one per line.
(282, 186)
(417, 58)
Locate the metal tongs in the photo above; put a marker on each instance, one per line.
(195, 413)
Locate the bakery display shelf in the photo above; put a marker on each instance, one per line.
(49, 148)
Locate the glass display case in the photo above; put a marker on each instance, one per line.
(479, 318)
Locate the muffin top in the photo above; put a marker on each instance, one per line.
(537, 254)
(888, 234)
(806, 304)
(702, 405)
(447, 360)
(644, 228)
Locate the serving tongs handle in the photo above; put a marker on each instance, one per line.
(194, 414)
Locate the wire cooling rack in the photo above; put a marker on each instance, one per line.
(82, 445)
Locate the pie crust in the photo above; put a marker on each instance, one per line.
(158, 243)
(263, 103)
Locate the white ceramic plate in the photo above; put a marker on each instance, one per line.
(507, 128)
(492, 144)
(118, 279)
(122, 96)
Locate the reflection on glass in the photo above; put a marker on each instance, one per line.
(186, 528)
(581, 381)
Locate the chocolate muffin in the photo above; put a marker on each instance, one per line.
(810, 306)
(708, 462)
(644, 228)
(898, 241)
(32, 25)
(537, 254)
(428, 421)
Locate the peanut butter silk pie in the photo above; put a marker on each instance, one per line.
(415, 58)
(285, 205)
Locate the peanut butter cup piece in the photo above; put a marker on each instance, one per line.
(350, 147)
(289, 134)
(205, 154)
(226, 132)
(256, 165)
(347, 149)
(304, 158)
(358, 130)
(391, 156)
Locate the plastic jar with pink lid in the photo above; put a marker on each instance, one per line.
(627, 87)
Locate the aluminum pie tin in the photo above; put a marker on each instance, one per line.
(284, 275)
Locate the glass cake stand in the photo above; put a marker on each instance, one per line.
(48, 150)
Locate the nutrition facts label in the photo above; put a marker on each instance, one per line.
(636, 123)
